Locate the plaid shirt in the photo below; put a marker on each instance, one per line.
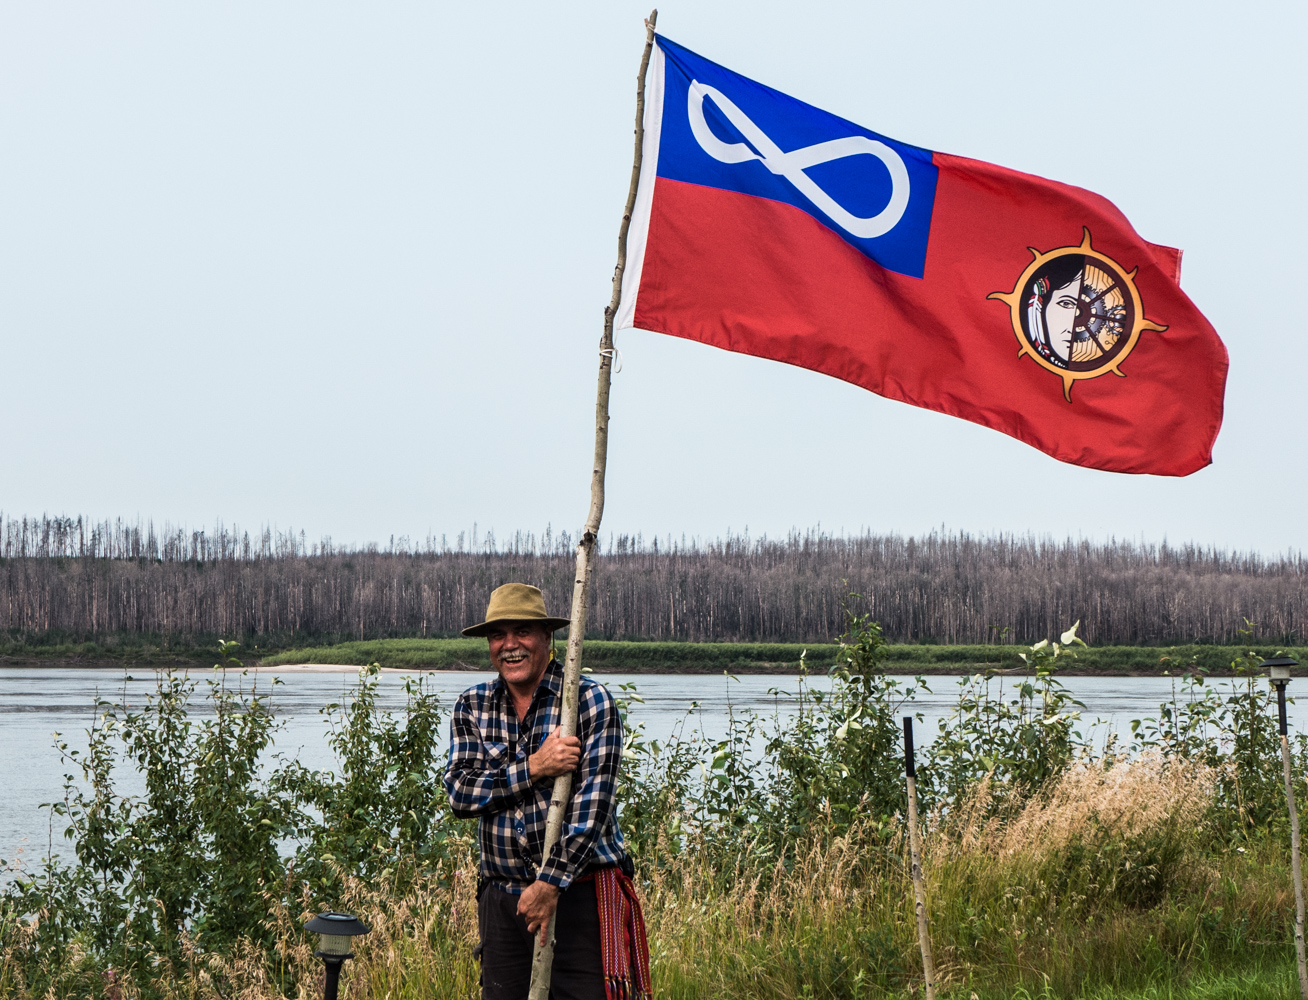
(487, 777)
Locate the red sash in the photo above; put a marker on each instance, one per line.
(623, 945)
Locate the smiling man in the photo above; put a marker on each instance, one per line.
(505, 751)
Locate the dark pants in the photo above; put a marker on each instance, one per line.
(506, 946)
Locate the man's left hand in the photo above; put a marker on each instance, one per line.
(537, 904)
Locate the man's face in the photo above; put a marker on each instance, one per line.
(519, 651)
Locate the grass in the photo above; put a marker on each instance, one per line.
(1104, 889)
(1272, 981)
(135, 649)
(1100, 889)
(602, 655)
(742, 657)
(633, 657)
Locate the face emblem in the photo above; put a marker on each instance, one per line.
(1076, 312)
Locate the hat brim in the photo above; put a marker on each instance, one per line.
(481, 629)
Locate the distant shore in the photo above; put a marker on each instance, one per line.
(607, 657)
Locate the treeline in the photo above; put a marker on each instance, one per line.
(69, 577)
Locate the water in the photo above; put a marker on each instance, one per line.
(37, 702)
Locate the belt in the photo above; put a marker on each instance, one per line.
(587, 873)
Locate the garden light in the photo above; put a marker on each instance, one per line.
(1278, 671)
(335, 931)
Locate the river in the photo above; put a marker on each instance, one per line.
(37, 702)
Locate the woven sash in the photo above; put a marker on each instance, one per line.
(623, 944)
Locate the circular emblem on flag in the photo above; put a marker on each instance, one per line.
(1076, 312)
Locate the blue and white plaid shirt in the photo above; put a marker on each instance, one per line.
(488, 777)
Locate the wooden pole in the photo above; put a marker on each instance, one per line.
(542, 964)
(1295, 866)
(915, 856)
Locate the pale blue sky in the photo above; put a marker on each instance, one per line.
(341, 266)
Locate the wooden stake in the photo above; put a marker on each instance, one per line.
(1295, 867)
(1297, 870)
(915, 856)
(542, 963)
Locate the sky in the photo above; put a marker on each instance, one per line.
(341, 268)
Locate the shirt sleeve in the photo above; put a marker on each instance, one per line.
(477, 783)
(595, 787)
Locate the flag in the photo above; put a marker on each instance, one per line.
(767, 226)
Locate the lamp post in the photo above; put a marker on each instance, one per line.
(334, 931)
(1278, 670)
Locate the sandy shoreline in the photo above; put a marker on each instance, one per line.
(192, 668)
(293, 669)
(347, 668)
(892, 668)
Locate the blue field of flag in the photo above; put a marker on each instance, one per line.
(723, 130)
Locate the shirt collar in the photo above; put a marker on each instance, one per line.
(553, 677)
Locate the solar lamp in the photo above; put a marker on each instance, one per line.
(335, 934)
(1278, 674)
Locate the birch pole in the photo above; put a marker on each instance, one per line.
(542, 963)
(1280, 676)
(915, 860)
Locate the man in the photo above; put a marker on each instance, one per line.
(506, 748)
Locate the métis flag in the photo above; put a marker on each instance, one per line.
(766, 226)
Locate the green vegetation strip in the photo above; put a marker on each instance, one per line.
(762, 658)
(624, 657)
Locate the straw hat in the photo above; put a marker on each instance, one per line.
(516, 602)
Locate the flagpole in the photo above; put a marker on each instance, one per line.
(543, 960)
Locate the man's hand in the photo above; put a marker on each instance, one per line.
(537, 904)
(559, 754)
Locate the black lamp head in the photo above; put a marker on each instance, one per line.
(1278, 669)
(336, 930)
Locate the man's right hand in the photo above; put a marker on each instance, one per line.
(559, 754)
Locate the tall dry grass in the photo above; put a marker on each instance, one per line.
(420, 946)
(1113, 797)
(1105, 885)
(1111, 876)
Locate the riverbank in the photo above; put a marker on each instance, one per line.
(645, 657)
(780, 658)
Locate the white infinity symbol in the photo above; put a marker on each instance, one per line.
(792, 165)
